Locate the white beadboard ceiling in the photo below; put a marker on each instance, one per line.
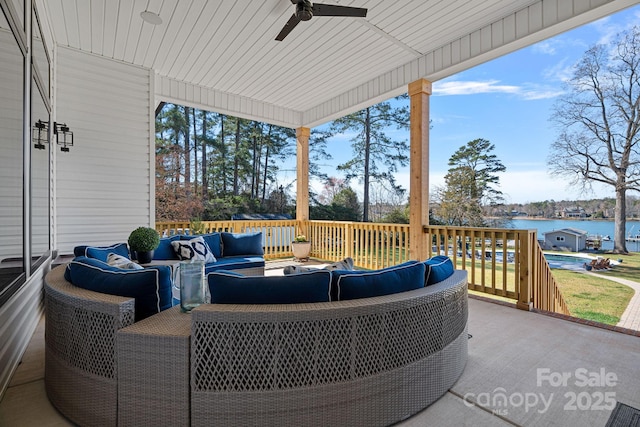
(221, 54)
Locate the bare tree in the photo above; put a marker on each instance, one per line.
(599, 118)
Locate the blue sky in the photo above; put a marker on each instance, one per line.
(508, 101)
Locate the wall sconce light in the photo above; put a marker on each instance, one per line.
(63, 135)
(40, 134)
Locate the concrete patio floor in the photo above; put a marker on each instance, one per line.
(524, 369)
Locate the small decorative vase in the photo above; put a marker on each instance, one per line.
(144, 257)
(301, 250)
(192, 287)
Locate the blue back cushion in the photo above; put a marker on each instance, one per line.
(151, 287)
(213, 240)
(164, 249)
(233, 288)
(437, 269)
(390, 280)
(337, 274)
(101, 252)
(234, 244)
(80, 250)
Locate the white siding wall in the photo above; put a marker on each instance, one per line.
(103, 185)
(18, 319)
(11, 159)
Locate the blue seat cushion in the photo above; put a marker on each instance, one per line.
(164, 250)
(213, 240)
(437, 269)
(150, 287)
(233, 288)
(102, 252)
(235, 263)
(390, 280)
(234, 244)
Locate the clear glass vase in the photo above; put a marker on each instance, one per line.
(192, 285)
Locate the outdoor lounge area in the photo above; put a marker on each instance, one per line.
(80, 85)
(501, 385)
(363, 361)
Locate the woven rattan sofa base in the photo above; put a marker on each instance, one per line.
(365, 362)
(153, 370)
(81, 370)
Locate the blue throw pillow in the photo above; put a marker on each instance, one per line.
(234, 244)
(391, 280)
(213, 240)
(151, 287)
(165, 250)
(195, 249)
(102, 252)
(233, 288)
(437, 269)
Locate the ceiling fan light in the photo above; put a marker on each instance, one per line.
(151, 18)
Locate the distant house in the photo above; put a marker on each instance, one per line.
(570, 239)
(572, 213)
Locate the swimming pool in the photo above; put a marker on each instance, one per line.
(568, 262)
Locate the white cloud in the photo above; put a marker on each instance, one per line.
(527, 91)
(561, 71)
(547, 47)
(539, 92)
(471, 87)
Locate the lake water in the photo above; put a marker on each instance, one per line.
(592, 227)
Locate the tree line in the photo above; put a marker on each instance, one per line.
(210, 166)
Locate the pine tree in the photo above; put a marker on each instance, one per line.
(376, 156)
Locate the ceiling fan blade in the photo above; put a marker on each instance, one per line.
(320, 9)
(290, 25)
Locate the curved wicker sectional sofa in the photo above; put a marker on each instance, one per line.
(370, 361)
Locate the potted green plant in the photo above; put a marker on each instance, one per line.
(301, 248)
(143, 241)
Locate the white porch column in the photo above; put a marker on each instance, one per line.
(302, 178)
(419, 92)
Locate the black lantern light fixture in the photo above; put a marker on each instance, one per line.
(40, 134)
(63, 135)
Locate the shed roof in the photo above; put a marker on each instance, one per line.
(568, 230)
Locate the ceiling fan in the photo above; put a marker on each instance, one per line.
(305, 10)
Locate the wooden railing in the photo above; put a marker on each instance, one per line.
(545, 293)
(277, 235)
(371, 245)
(500, 262)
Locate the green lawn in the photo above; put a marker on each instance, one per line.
(589, 297)
(599, 299)
(593, 298)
